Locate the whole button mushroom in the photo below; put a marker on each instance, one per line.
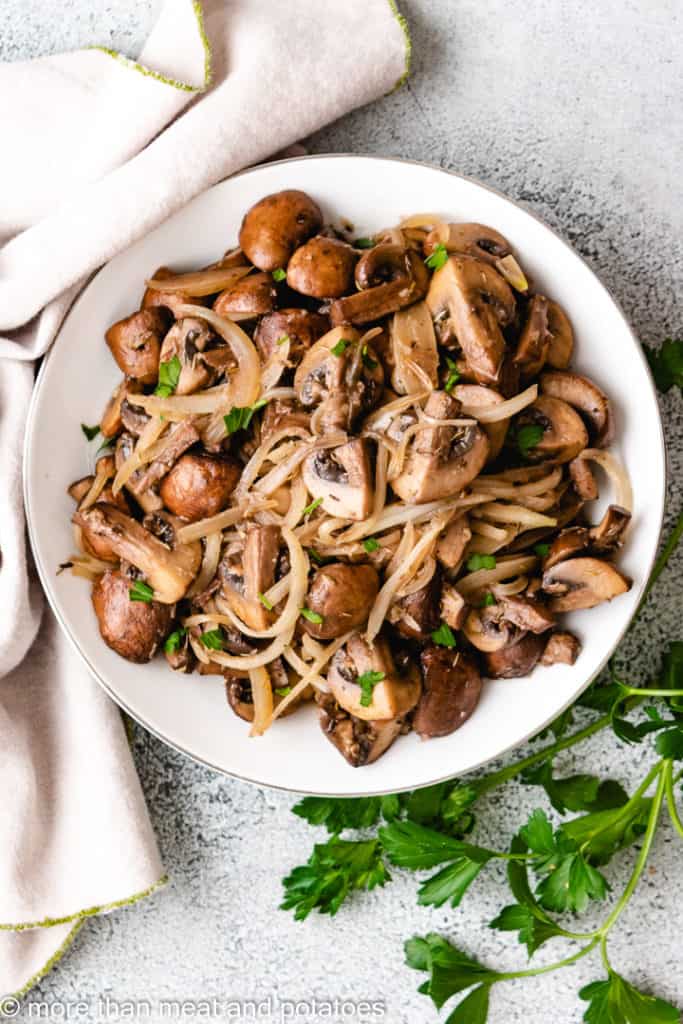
(277, 225)
(134, 629)
(252, 296)
(342, 595)
(300, 327)
(322, 268)
(451, 690)
(135, 343)
(199, 485)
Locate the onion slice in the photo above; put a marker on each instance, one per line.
(615, 471)
(504, 410)
(199, 283)
(262, 695)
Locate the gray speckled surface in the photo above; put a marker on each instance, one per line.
(575, 109)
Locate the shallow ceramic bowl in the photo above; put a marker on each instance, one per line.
(190, 712)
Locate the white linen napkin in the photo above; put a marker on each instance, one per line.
(98, 150)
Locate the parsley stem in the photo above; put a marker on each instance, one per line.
(625, 811)
(504, 774)
(533, 971)
(671, 799)
(648, 838)
(645, 691)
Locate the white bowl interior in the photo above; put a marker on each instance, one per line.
(190, 712)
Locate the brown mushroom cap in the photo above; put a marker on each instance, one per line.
(404, 280)
(134, 629)
(487, 630)
(277, 225)
(247, 572)
(582, 583)
(534, 341)
(393, 696)
(451, 687)
(302, 327)
(478, 240)
(516, 659)
(562, 648)
(253, 295)
(340, 374)
(418, 615)
(561, 345)
(190, 340)
(360, 742)
(322, 268)
(584, 395)
(135, 343)
(343, 596)
(199, 485)
(172, 301)
(564, 434)
(583, 480)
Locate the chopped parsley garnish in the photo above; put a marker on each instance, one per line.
(169, 375)
(453, 375)
(316, 557)
(666, 363)
(282, 691)
(90, 432)
(444, 636)
(541, 550)
(370, 544)
(283, 340)
(311, 616)
(475, 562)
(141, 591)
(487, 600)
(213, 639)
(368, 361)
(174, 641)
(268, 605)
(240, 417)
(364, 243)
(528, 437)
(437, 259)
(340, 348)
(367, 682)
(279, 274)
(311, 508)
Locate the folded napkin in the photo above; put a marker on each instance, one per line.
(98, 150)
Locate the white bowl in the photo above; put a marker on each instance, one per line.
(190, 712)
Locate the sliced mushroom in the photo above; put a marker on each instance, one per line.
(441, 460)
(253, 295)
(568, 544)
(360, 742)
(526, 613)
(200, 485)
(453, 607)
(608, 535)
(451, 687)
(564, 434)
(534, 341)
(322, 268)
(135, 343)
(605, 538)
(148, 500)
(393, 695)
(134, 629)
(561, 337)
(168, 570)
(583, 480)
(390, 277)
(282, 414)
(473, 397)
(240, 697)
(342, 595)
(418, 615)
(453, 542)
(562, 648)
(248, 574)
(111, 423)
(584, 395)
(478, 240)
(582, 583)
(133, 418)
(95, 545)
(516, 659)
(190, 340)
(488, 631)
(277, 225)
(343, 375)
(342, 478)
(300, 327)
(170, 300)
(413, 349)
(182, 658)
(181, 437)
(478, 302)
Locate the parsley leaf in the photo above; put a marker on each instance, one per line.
(475, 562)
(666, 363)
(282, 691)
(311, 508)
(337, 813)
(444, 636)
(488, 600)
(451, 971)
(367, 682)
(268, 605)
(364, 243)
(141, 591)
(527, 437)
(340, 348)
(532, 931)
(580, 792)
(602, 833)
(283, 340)
(438, 257)
(616, 1001)
(311, 616)
(541, 550)
(213, 639)
(453, 375)
(279, 274)
(370, 544)
(410, 845)
(670, 743)
(332, 872)
(90, 432)
(240, 417)
(473, 1009)
(368, 361)
(169, 375)
(174, 640)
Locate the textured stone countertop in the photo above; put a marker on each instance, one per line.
(575, 110)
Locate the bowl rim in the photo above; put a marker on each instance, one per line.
(44, 577)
